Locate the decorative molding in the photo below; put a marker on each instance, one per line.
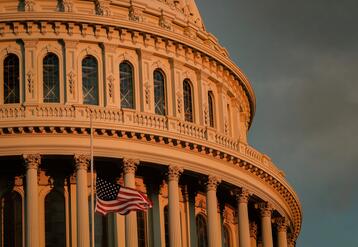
(110, 80)
(30, 81)
(82, 161)
(29, 5)
(103, 7)
(282, 224)
(174, 172)
(134, 13)
(130, 165)
(243, 196)
(164, 22)
(32, 161)
(71, 82)
(265, 209)
(213, 182)
(253, 230)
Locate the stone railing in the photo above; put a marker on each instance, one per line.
(128, 120)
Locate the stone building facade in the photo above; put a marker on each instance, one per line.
(170, 114)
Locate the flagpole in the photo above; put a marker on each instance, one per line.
(92, 182)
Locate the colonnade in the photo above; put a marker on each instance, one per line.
(247, 230)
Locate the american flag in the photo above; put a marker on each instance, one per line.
(115, 198)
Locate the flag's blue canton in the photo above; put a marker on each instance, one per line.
(106, 191)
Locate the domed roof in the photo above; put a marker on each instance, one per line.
(186, 8)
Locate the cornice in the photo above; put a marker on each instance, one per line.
(109, 23)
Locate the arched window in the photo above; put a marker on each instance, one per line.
(226, 236)
(166, 226)
(51, 78)
(11, 79)
(159, 92)
(188, 101)
(126, 87)
(142, 229)
(211, 109)
(90, 80)
(11, 215)
(55, 219)
(201, 231)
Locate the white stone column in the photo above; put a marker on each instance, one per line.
(282, 232)
(81, 166)
(32, 162)
(129, 168)
(173, 206)
(266, 227)
(212, 211)
(244, 228)
(253, 234)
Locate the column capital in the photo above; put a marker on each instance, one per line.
(243, 195)
(174, 172)
(282, 224)
(82, 161)
(253, 230)
(265, 209)
(32, 161)
(213, 182)
(130, 165)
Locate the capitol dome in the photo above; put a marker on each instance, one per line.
(170, 113)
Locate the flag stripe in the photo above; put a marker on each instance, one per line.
(114, 198)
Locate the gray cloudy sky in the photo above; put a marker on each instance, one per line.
(302, 60)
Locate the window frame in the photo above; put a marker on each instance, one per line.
(164, 88)
(188, 116)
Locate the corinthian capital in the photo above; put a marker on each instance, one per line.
(253, 230)
(243, 195)
(265, 209)
(82, 161)
(130, 165)
(174, 172)
(32, 161)
(282, 224)
(212, 182)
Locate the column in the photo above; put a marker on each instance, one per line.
(173, 206)
(212, 211)
(253, 234)
(244, 229)
(32, 162)
(266, 228)
(81, 165)
(282, 232)
(129, 168)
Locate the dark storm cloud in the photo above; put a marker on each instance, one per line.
(302, 60)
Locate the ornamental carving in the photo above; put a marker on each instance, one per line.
(206, 114)
(29, 5)
(30, 81)
(174, 172)
(253, 230)
(103, 8)
(228, 216)
(134, 14)
(32, 161)
(130, 165)
(71, 82)
(282, 224)
(213, 182)
(163, 22)
(66, 6)
(82, 161)
(243, 196)
(179, 101)
(265, 209)
(110, 80)
(147, 93)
